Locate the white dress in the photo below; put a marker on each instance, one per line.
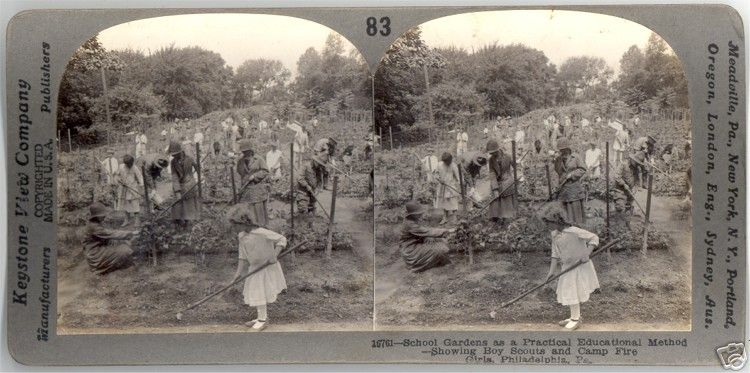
(258, 247)
(569, 246)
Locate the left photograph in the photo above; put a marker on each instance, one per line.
(215, 175)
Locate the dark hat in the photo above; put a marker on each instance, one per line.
(128, 159)
(161, 163)
(414, 208)
(174, 148)
(246, 145)
(446, 157)
(492, 146)
(97, 210)
(651, 139)
(563, 144)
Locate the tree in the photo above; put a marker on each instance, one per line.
(256, 76)
(583, 78)
(453, 104)
(132, 106)
(81, 82)
(652, 79)
(400, 78)
(193, 81)
(515, 78)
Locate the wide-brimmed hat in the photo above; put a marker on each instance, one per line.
(174, 148)
(161, 163)
(97, 210)
(563, 144)
(246, 145)
(651, 139)
(492, 146)
(414, 208)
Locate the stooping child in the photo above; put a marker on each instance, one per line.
(258, 246)
(571, 245)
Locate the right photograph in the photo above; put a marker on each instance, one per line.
(532, 172)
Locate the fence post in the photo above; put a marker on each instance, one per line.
(291, 195)
(234, 187)
(462, 187)
(380, 138)
(549, 181)
(199, 170)
(390, 133)
(329, 244)
(515, 175)
(648, 213)
(147, 201)
(70, 143)
(606, 197)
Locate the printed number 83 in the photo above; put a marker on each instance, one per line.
(372, 26)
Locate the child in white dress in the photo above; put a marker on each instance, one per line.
(571, 245)
(258, 246)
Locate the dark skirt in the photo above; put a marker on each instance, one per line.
(421, 257)
(575, 211)
(502, 208)
(107, 258)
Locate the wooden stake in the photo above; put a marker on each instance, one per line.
(199, 169)
(648, 213)
(390, 133)
(549, 181)
(234, 186)
(606, 197)
(329, 244)
(291, 194)
(515, 175)
(70, 143)
(148, 213)
(462, 188)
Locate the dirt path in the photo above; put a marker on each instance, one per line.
(680, 230)
(349, 218)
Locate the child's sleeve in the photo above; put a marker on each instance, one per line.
(589, 237)
(276, 238)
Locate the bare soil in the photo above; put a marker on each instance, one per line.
(637, 292)
(322, 294)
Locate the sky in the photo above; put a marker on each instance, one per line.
(559, 34)
(236, 37)
(239, 37)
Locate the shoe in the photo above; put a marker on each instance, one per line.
(573, 325)
(250, 323)
(563, 322)
(260, 325)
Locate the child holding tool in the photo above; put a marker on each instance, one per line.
(570, 246)
(257, 247)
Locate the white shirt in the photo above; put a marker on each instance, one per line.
(520, 136)
(198, 138)
(164, 132)
(262, 125)
(486, 130)
(273, 159)
(462, 137)
(584, 122)
(592, 157)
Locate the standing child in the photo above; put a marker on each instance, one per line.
(258, 246)
(571, 245)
